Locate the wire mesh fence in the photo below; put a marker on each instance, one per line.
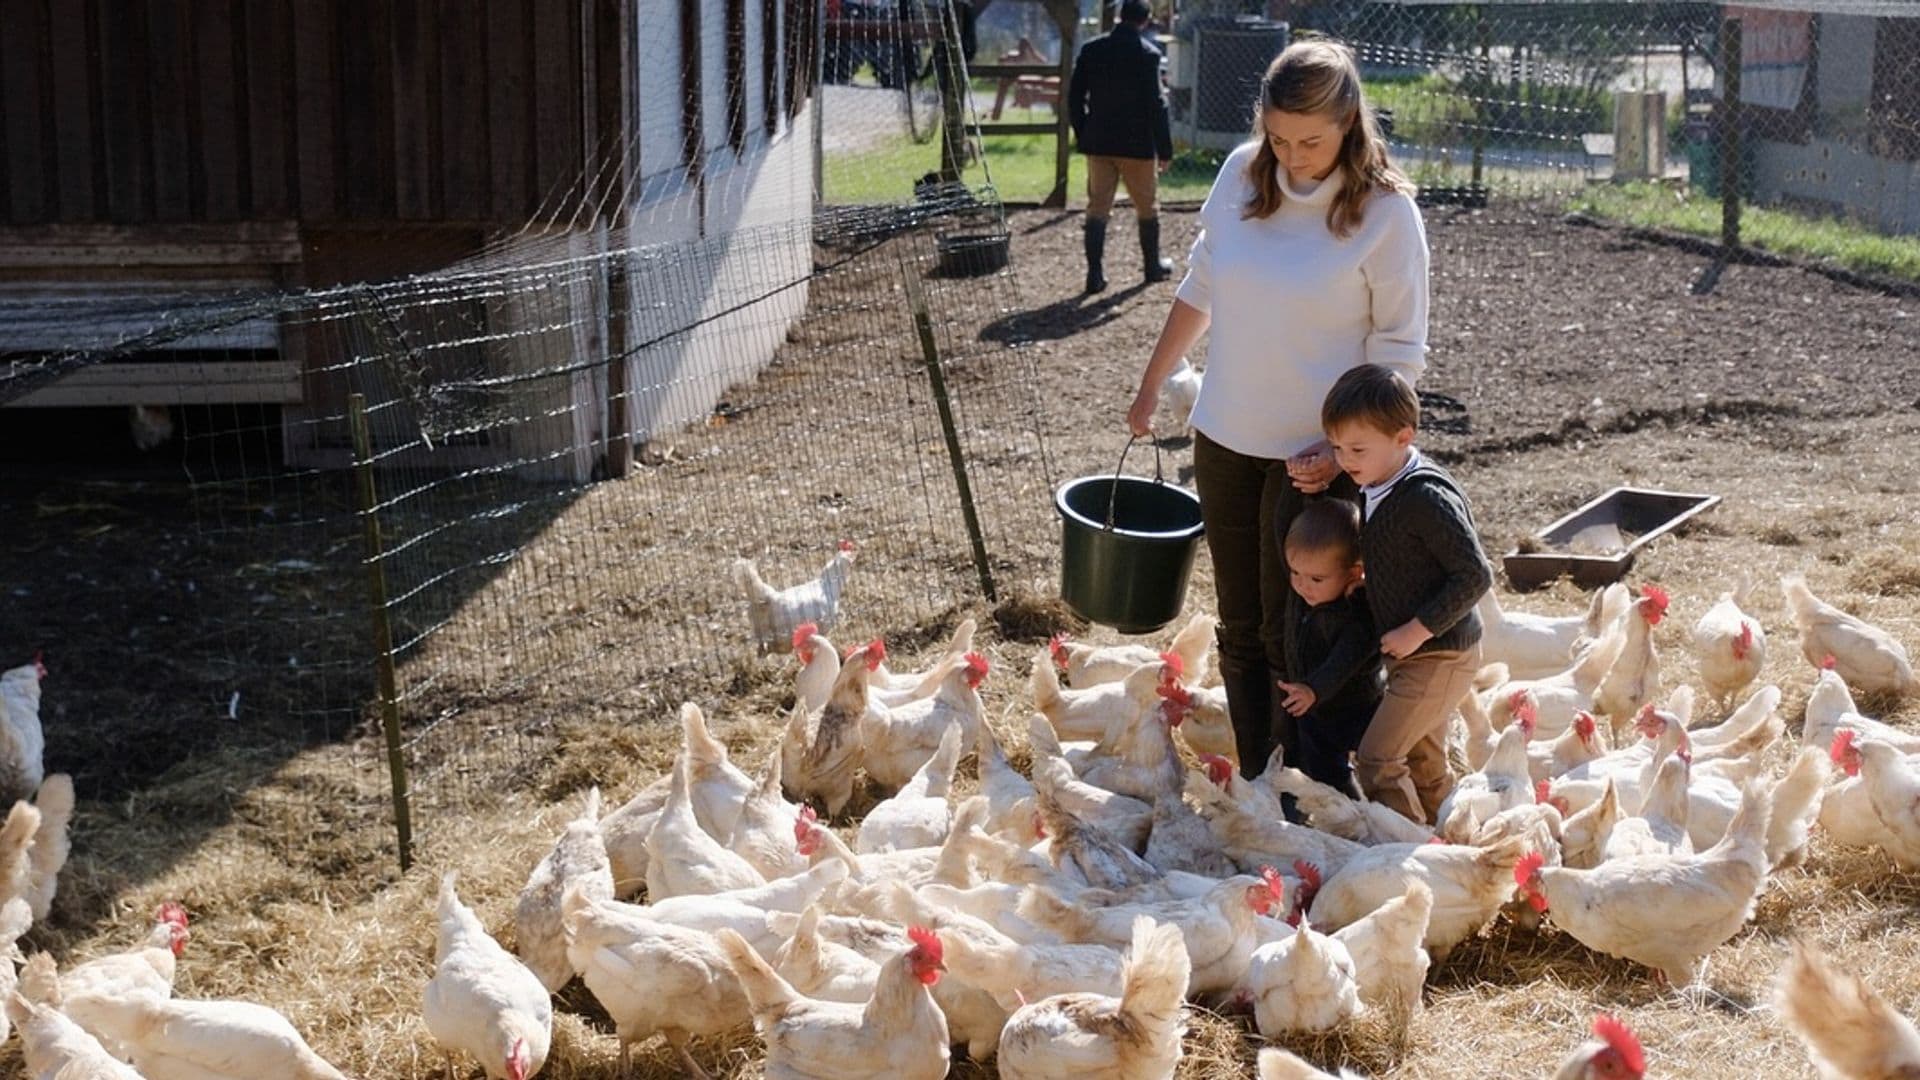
(441, 522)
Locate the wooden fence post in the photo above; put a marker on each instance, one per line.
(619, 417)
(956, 457)
(382, 630)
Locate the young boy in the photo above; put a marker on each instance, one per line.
(1425, 572)
(1332, 683)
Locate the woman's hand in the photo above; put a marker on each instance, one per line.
(1140, 414)
(1312, 469)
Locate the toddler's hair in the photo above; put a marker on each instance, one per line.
(1326, 524)
(1372, 395)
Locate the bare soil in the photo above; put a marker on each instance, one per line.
(1566, 359)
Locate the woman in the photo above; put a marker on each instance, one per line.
(1311, 259)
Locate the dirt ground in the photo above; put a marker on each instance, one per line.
(1565, 360)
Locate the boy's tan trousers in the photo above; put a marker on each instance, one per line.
(1402, 761)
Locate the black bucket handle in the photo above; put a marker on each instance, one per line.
(1113, 489)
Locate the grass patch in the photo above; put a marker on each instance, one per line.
(1783, 232)
(1021, 166)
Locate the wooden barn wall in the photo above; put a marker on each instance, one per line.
(146, 112)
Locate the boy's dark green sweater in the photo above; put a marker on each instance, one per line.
(1424, 561)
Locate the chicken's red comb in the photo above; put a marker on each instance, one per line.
(1653, 600)
(1616, 1034)
(1057, 648)
(808, 814)
(927, 942)
(1176, 667)
(1842, 742)
(39, 664)
(1219, 769)
(845, 546)
(1309, 875)
(1828, 662)
(1583, 724)
(1527, 867)
(1519, 699)
(1542, 792)
(876, 653)
(804, 633)
(978, 664)
(1275, 883)
(171, 912)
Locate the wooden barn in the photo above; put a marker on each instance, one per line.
(173, 148)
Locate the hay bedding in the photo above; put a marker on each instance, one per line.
(1801, 423)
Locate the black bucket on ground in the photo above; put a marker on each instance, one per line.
(1126, 548)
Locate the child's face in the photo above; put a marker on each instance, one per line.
(1367, 454)
(1320, 577)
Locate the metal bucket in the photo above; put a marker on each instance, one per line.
(1126, 547)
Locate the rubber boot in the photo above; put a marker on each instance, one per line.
(1157, 268)
(1250, 708)
(1096, 251)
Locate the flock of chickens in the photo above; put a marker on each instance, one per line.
(1058, 921)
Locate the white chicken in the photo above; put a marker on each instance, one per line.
(1614, 1053)
(1009, 795)
(1660, 826)
(822, 750)
(1339, 814)
(1135, 1036)
(1850, 1031)
(481, 1000)
(579, 856)
(1729, 644)
(817, 967)
(899, 1032)
(16, 918)
(1830, 708)
(1531, 646)
(1469, 885)
(1797, 800)
(718, 790)
(1866, 656)
(652, 976)
(1304, 982)
(1219, 927)
(1090, 665)
(745, 911)
(1275, 1063)
(54, 1046)
(1634, 678)
(1179, 390)
(23, 743)
(682, 858)
(1556, 699)
(92, 988)
(1665, 911)
(764, 834)
(896, 742)
(16, 851)
(1092, 712)
(1125, 817)
(1094, 854)
(1390, 959)
(919, 814)
(51, 843)
(1017, 972)
(1892, 784)
(774, 614)
(173, 1039)
(1501, 785)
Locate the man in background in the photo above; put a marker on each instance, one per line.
(1119, 115)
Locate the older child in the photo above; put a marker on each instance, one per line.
(1425, 572)
(1332, 683)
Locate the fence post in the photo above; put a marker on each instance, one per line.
(382, 630)
(619, 424)
(953, 118)
(937, 381)
(1486, 95)
(1729, 137)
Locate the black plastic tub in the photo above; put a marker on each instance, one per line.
(971, 254)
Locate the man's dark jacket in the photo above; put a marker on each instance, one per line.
(1114, 102)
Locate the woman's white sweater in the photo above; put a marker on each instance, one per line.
(1293, 306)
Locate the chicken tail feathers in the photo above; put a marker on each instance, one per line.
(1190, 645)
(1844, 1024)
(40, 982)
(1044, 684)
(1155, 980)
(767, 993)
(702, 747)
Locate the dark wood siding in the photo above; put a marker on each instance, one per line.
(155, 112)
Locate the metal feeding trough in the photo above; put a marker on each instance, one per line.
(1596, 544)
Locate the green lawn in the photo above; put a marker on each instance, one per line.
(1021, 167)
(1828, 239)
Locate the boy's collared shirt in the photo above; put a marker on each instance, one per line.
(1375, 492)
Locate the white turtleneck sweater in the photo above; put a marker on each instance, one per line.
(1293, 306)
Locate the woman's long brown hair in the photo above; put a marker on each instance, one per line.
(1320, 78)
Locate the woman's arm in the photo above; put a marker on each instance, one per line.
(1396, 274)
(1185, 323)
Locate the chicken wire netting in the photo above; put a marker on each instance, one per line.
(516, 486)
